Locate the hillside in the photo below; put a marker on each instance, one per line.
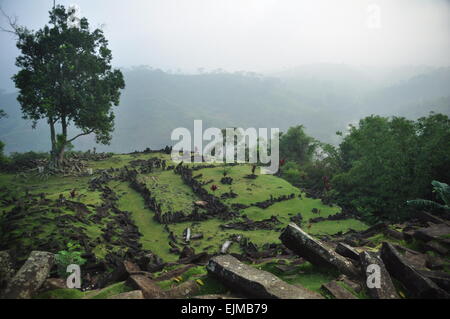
(169, 191)
(324, 98)
(169, 220)
(111, 217)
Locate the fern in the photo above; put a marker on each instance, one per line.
(443, 193)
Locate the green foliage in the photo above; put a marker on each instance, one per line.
(292, 173)
(66, 77)
(443, 193)
(115, 289)
(296, 146)
(68, 257)
(26, 159)
(3, 158)
(61, 294)
(386, 161)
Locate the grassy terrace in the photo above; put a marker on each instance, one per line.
(173, 195)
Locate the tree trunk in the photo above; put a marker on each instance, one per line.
(62, 143)
(53, 154)
(61, 155)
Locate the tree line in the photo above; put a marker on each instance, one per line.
(380, 164)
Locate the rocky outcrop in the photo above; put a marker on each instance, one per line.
(216, 297)
(434, 232)
(337, 291)
(135, 294)
(184, 290)
(313, 250)
(347, 251)
(418, 285)
(52, 284)
(6, 269)
(253, 282)
(150, 290)
(30, 276)
(386, 289)
(248, 224)
(174, 273)
(440, 278)
(148, 287)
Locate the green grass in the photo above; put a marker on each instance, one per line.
(121, 160)
(360, 295)
(193, 273)
(174, 195)
(250, 190)
(170, 191)
(154, 237)
(110, 291)
(61, 294)
(306, 275)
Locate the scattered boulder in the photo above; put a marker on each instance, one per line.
(148, 287)
(373, 230)
(434, 232)
(436, 247)
(297, 219)
(174, 273)
(394, 234)
(418, 285)
(313, 250)
(184, 290)
(347, 251)
(226, 245)
(135, 294)
(337, 291)
(387, 289)
(6, 269)
(216, 297)
(187, 252)
(151, 263)
(435, 262)
(201, 203)
(427, 217)
(197, 236)
(248, 224)
(352, 284)
(440, 278)
(52, 284)
(30, 276)
(121, 273)
(253, 282)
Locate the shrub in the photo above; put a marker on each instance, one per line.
(68, 257)
(26, 159)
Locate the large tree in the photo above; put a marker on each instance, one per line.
(66, 78)
(297, 146)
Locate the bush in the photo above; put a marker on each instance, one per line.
(68, 257)
(26, 160)
(292, 173)
(3, 158)
(387, 161)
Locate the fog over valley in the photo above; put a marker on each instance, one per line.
(265, 63)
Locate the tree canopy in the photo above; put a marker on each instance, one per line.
(387, 161)
(66, 77)
(296, 146)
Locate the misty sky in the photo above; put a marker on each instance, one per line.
(253, 35)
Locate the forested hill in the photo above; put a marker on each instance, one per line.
(324, 98)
